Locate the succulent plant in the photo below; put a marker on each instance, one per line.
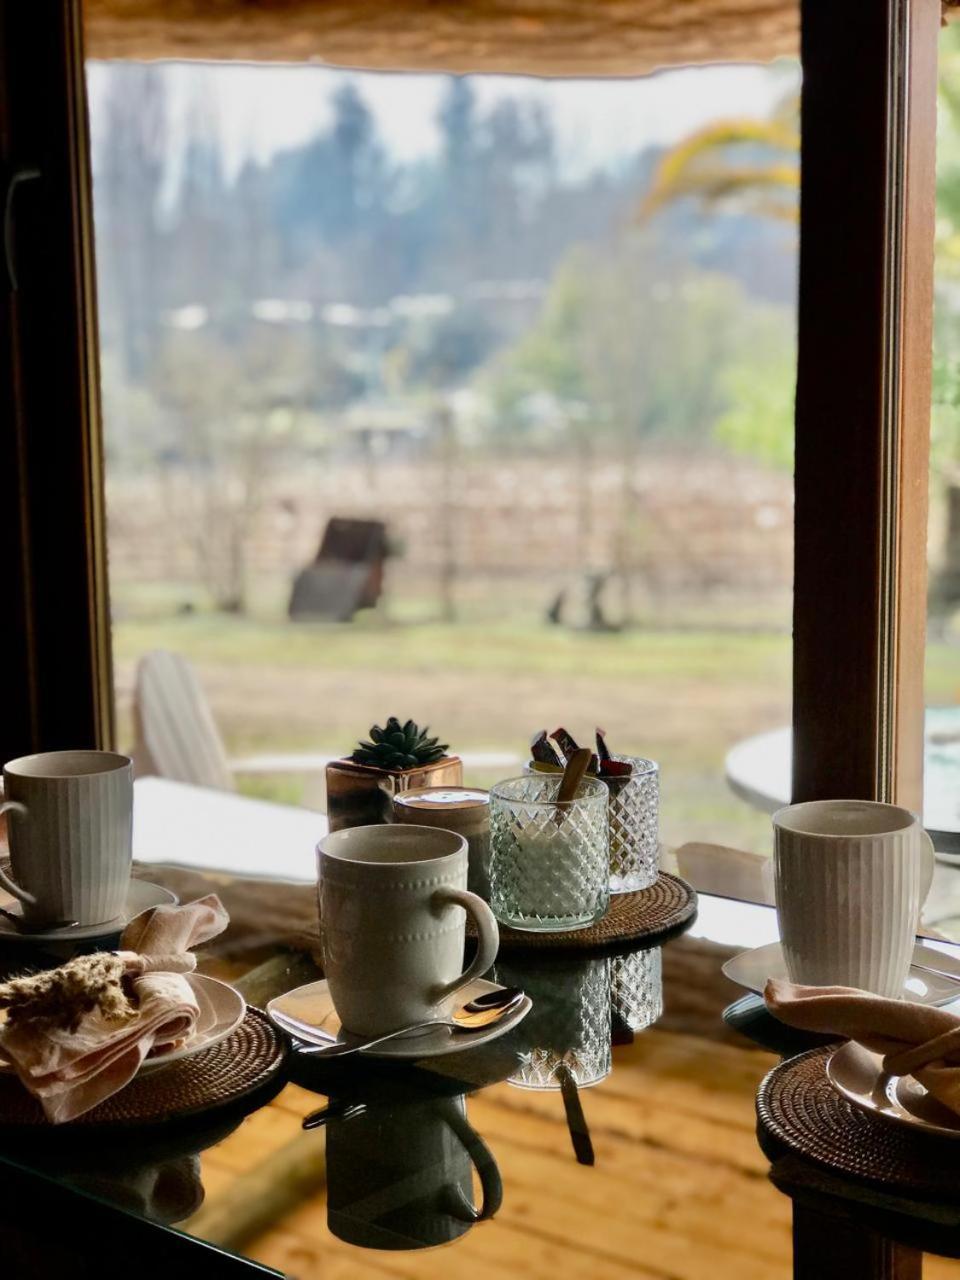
(399, 746)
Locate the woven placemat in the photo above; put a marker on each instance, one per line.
(799, 1108)
(633, 917)
(247, 1060)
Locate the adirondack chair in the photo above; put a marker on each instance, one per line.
(176, 736)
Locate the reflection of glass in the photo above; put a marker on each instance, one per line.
(634, 826)
(549, 862)
(636, 989)
(401, 1177)
(569, 1024)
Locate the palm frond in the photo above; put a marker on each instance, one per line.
(691, 168)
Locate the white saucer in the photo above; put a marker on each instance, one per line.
(751, 969)
(141, 895)
(222, 1010)
(858, 1075)
(308, 1014)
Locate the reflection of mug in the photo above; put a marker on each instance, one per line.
(851, 877)
(70, 833)
(402, 1178)
(392, 924)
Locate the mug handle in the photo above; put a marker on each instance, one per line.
(491, 1184)
(488, 936)
(14, 806)
(926, 874)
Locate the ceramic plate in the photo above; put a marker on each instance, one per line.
(858, 1075)
(751, 969)
(221, 1011)
(308, 1014)
(141, 895)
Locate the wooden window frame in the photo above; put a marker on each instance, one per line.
(868, 130)
(56, 633)
(863, 396)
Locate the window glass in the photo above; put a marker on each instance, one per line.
(538, 337)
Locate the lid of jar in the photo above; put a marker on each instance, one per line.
(433, 798)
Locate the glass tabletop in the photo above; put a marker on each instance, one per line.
(612, 1130)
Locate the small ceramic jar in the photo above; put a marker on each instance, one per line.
(465, 810)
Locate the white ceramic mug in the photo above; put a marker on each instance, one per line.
(393, 924)
(851, 877)
(70, 830)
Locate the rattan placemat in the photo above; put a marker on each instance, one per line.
(247, 1060)
(633, 917)
(798, 1107)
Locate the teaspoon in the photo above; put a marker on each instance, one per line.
(484, 1011)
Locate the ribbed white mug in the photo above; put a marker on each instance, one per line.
(70, 829)
(851, 877)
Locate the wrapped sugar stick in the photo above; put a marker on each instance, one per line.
(565, 741)
(542, 752)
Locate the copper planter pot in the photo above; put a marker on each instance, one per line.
(359, 794)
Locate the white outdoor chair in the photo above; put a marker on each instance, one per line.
(729, 873)
(177, 737)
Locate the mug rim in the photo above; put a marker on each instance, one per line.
(875, 806)
(109, 762)
(384, 831)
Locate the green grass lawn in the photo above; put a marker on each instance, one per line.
(682, 697)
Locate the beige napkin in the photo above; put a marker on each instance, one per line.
(914, 1039)
(71, 1071)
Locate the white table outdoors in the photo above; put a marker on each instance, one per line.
(179, 825)
(758, 770)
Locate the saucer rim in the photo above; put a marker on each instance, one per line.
(731, 966)
(409, 1050)
(83, 933)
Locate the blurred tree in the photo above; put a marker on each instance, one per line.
(235, 414)
(759, 386)
(130, 163)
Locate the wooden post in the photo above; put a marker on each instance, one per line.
(863, 397)
(828, 1248)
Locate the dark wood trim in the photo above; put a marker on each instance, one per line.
(829, 1248)
(57, 644)
(863, 397)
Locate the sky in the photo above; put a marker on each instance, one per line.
(262, 109)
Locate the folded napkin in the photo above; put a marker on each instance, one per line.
(71, 1068)
(914, 1039)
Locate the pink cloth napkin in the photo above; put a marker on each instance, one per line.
(72, 1071)
(914, 1039)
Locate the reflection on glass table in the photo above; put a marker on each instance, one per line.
(450, 1152)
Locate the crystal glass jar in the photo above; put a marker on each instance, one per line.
(634, 826)
(549, 862)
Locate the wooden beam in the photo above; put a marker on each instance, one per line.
(537, 37)
(863, 397)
